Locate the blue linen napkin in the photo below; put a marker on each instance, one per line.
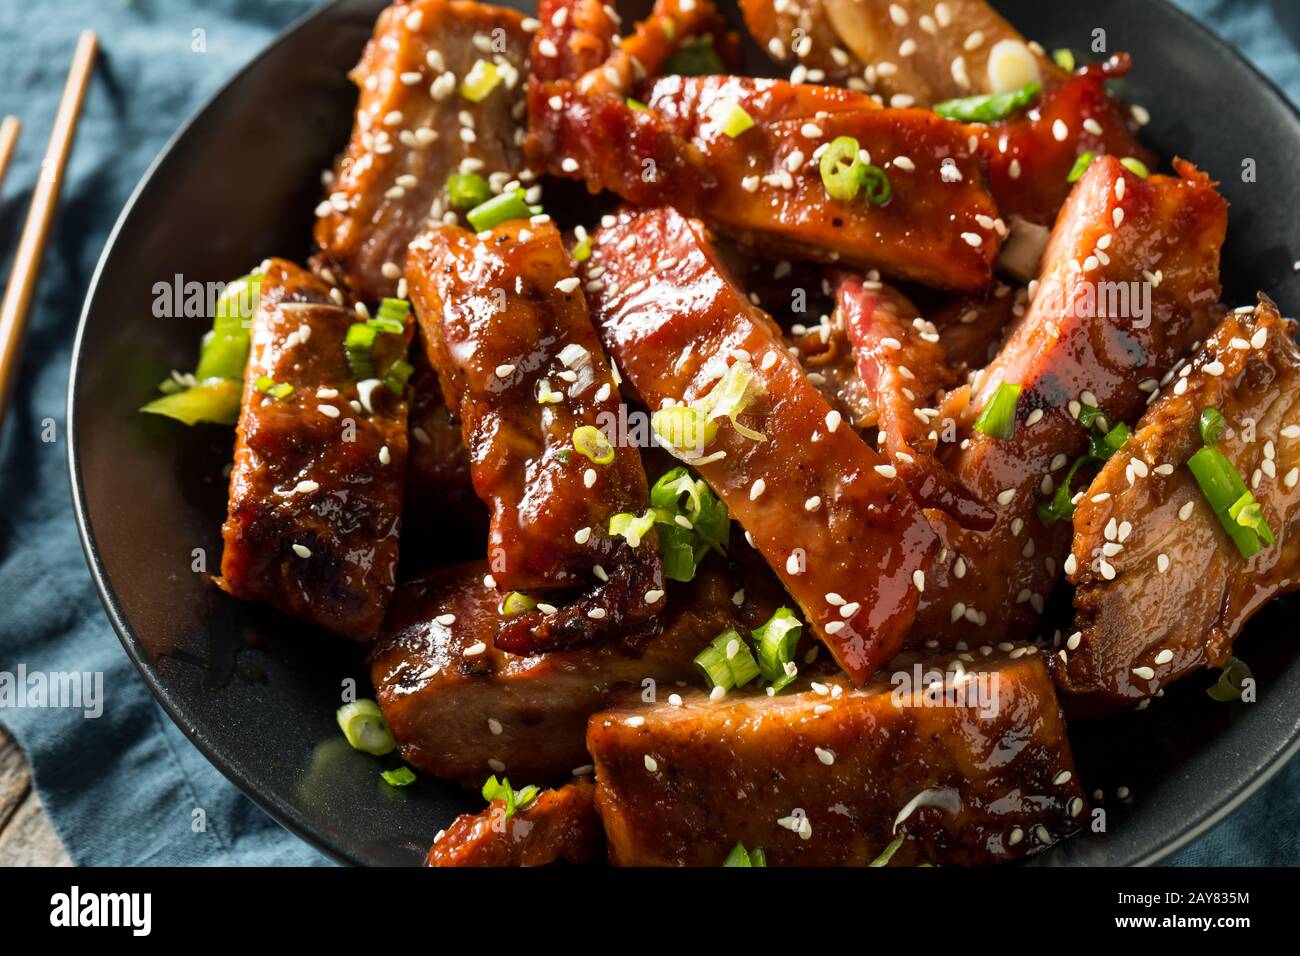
(120, 789)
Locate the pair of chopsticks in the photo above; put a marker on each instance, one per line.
(17, 300)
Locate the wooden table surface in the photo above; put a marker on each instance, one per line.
(26, 838)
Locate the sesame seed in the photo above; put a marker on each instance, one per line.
(887, 471)
(651, 764)
(834, 627)
(505, 371)
(302, 551)
(1144, 673)
(918, 579)
(1060, 132)
(757, 489)
(904, 163)
(328, 411)
(385, 456)
(792, 564)
(567, 285)
(582, 536)
(811, 131)
(494, 726)
(653, 596)
(825, 756)
(833, 419)
(1062, 778)
(973, 239)
(815, 502)
(475, 649)
(1005, 497)
(1185, 511)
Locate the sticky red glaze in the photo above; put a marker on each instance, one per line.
(1027, 142)
(1056, 352)
(349, 522)
(671, 318)
(730, 771)
(381, 215)
(673, 152)
(1195, 608)
(582, 38)
(559, 825)
(903, 366)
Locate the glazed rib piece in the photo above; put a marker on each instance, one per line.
(1117, 234)
(819, 777)
(915, 50)
(445, 689)
(764, 188)
(818, 503)
(409, 135)
(901, 364)
(316, 487)
(574, 36)
(557, 826)
(1174, 591)
(1031, 155)
(507, 328)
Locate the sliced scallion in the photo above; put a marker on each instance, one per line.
(401, 777)
(514, 800)
(1231, 681)
(887, 853)
(731, 118)
(739, 856)
(225, 350)
(776, 641)
(481, 80)
(632, 527)
(1080, 166)
(841, 168)
(990, 107)
(683, 429)
(467, 190)
(1064, 58)
(1135, 166)
(364, 726)
(499, 209)
(215, 401)
(516, 603)
(591, 442)
(998, 419)
(1210, 425)
(1225, 492)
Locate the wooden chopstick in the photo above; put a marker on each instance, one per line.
(8, 137)
(45, 197)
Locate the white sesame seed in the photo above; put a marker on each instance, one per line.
(302, 551)
(904, 163)
(651, 764)
(582, 535)
(475, 649)
(757, 489)
(653, 596)
(328, 411)
(1005, 497)
(825, 756)
(815, 502)
(887, 471)
(811, 131)
(834, 627)
(918, 579)
(1144, 673)
(568, 284)
(494, 726)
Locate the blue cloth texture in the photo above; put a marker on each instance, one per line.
(120, 789)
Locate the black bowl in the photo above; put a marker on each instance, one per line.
(256, 691)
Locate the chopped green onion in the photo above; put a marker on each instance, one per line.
(680, 548)
(215, 401)
(731, 395)
(1249, 513)
(635, 104)
(989, 107)
(1080, 166)
(679, 551)
(1090, 415)
(740, 857)
(1210, 425)
(494, 790)
(358, 345)
(713, 665)
(401, 777)
(695, 57)
(467, 190)
(581, 251)
(499, 209)
(683, 429)
(225, 351)
(1064, 58)
(392, 315)
(1102, 446)
(1061, 504)
(841, 168)
(1135, 166)
(887, 853)
(876, 183)
(632, 527)
(1231, 681)
(591, 442)
(364, 726)
(481, 80)
(731, 118)
(1224, 490)
(398, 374)
(727, 666)
(267, 385)
(516, 603)
(998, 419)
(776, 641)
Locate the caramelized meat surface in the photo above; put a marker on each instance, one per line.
(902, 365)
(763, 187)
(1130, 279)
(829, 776)
(1031, 155)
(316, 488)
(461, 708)
(415, 127)
(557, 826)
(915, 52)
(507, 329)
(574, 37)
(818, 503)
(1162, 590)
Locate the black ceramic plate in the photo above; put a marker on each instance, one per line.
(256, 691)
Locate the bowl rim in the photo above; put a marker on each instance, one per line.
(284, 812)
